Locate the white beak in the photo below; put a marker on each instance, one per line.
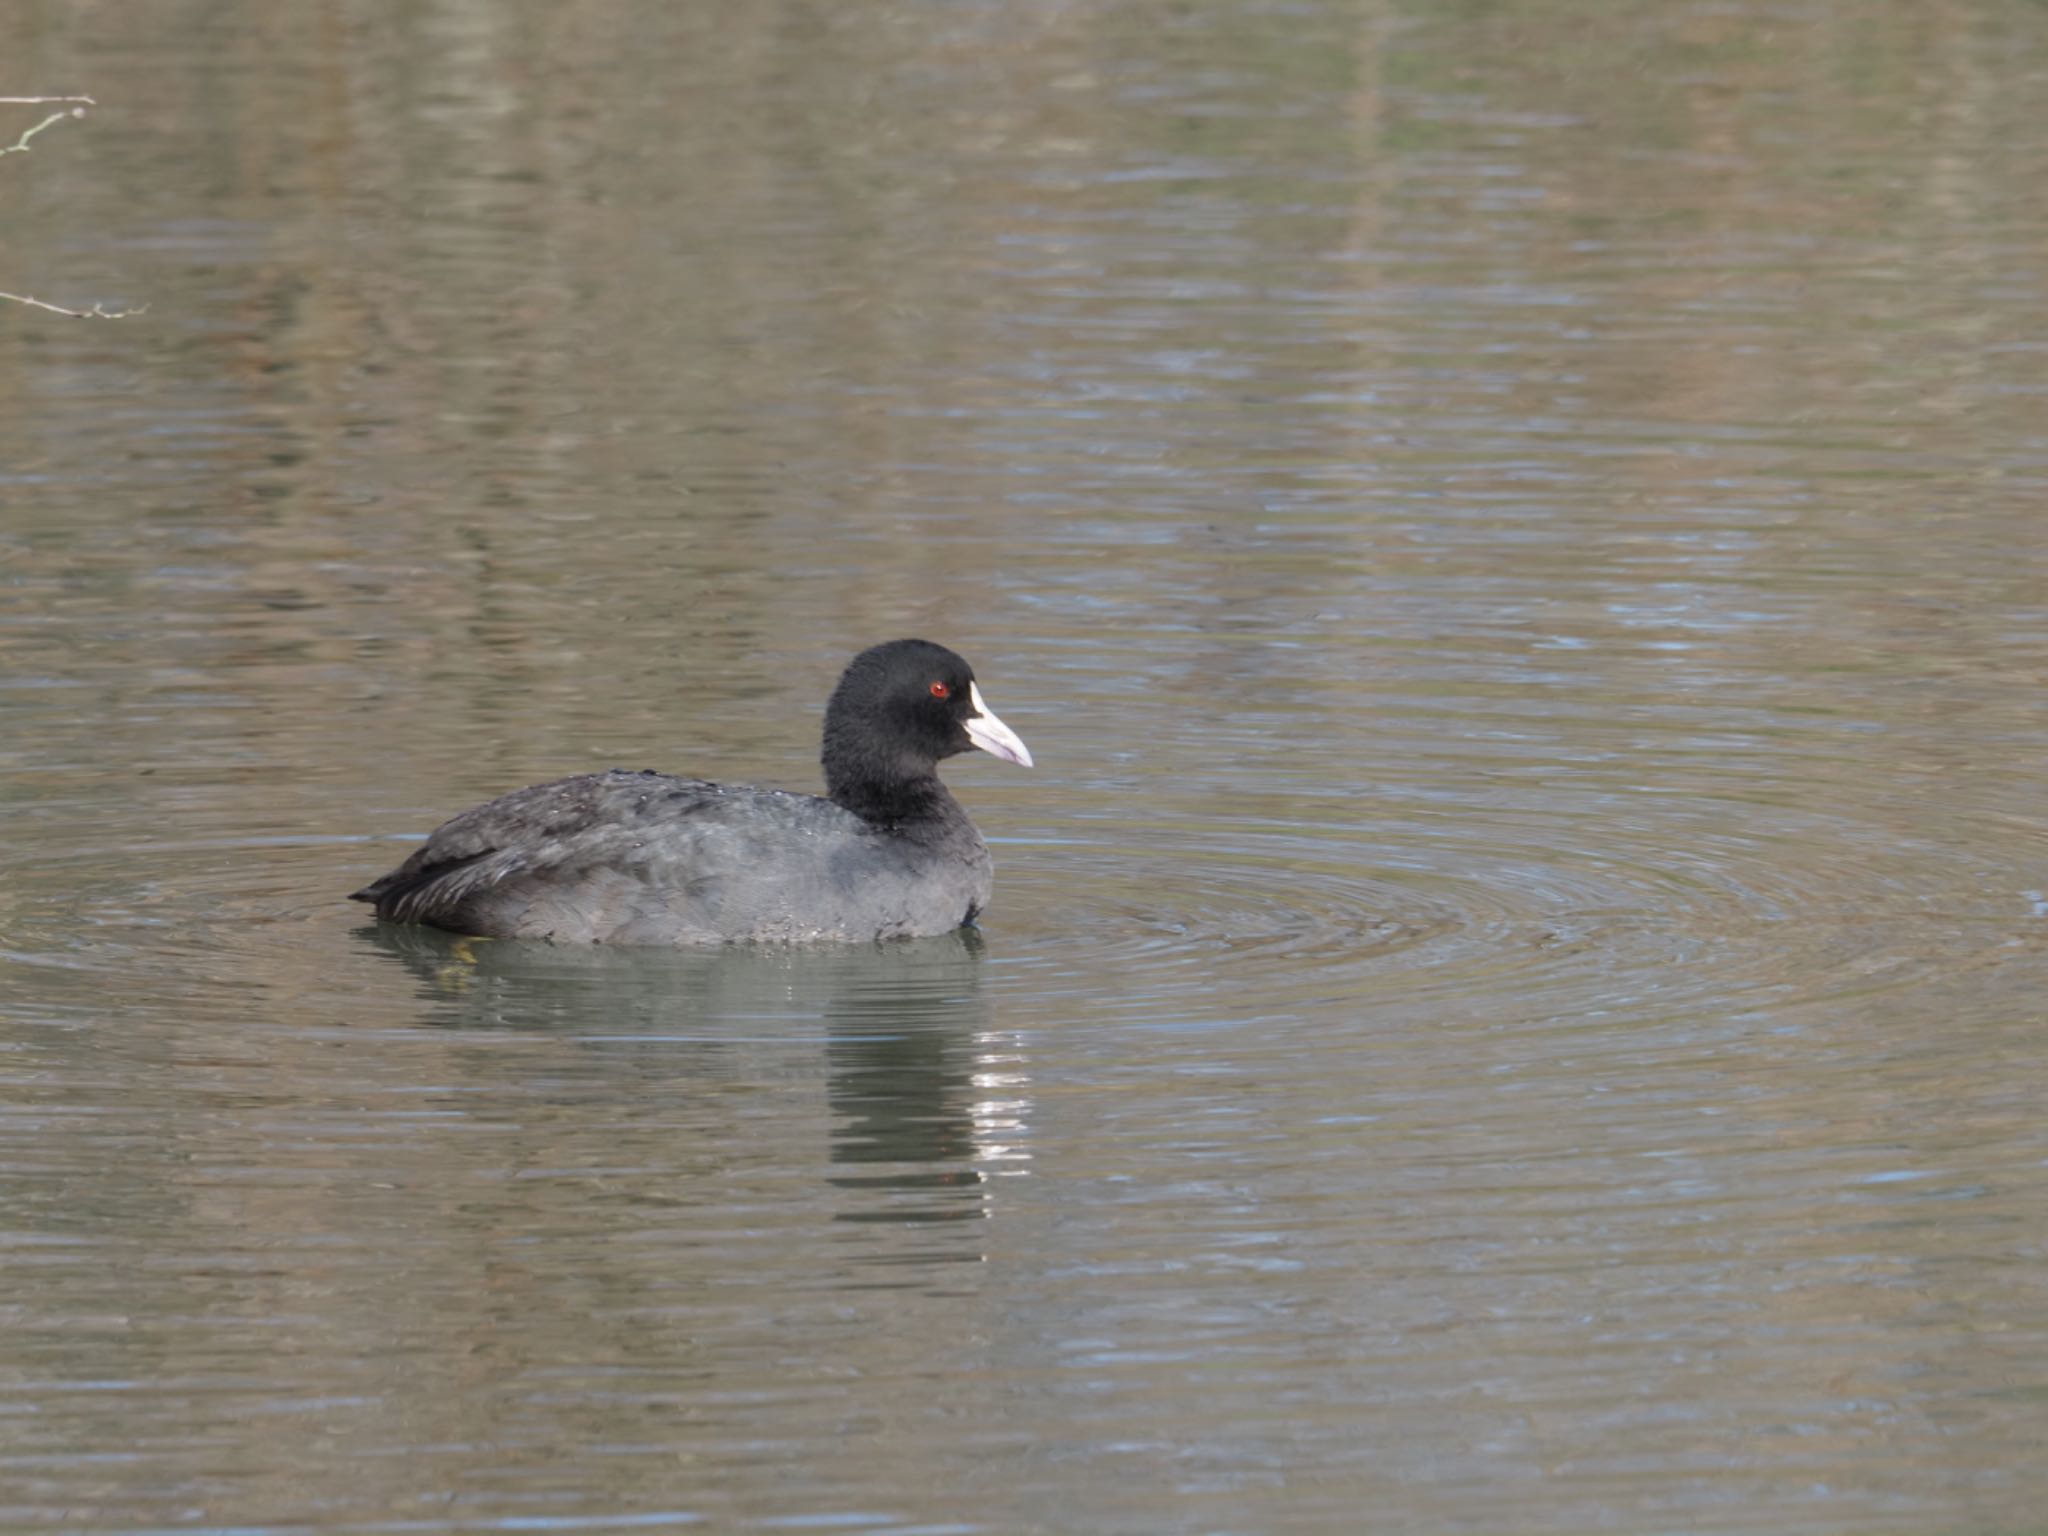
(991, 735)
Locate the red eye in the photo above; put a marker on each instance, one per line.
(941, 691)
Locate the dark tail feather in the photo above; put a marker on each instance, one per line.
(393, 895)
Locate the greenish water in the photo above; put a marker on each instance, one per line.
(1513, 999)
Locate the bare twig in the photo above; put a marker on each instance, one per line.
(20, 145)
(78, 104)
(97, 312)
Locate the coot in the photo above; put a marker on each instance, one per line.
(646, 858)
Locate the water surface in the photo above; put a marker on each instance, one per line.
(1513, 996)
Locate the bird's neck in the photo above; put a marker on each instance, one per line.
(895, 802)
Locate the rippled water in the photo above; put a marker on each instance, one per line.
(1513, 997)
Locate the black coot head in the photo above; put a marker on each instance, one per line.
(899, 708)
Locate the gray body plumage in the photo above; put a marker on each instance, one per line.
(645, 858)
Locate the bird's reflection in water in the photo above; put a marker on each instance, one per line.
(928, 1095)
(929, 1100)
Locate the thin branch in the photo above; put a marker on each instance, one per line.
(20, 145)
(78, 104)
(97, 312)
